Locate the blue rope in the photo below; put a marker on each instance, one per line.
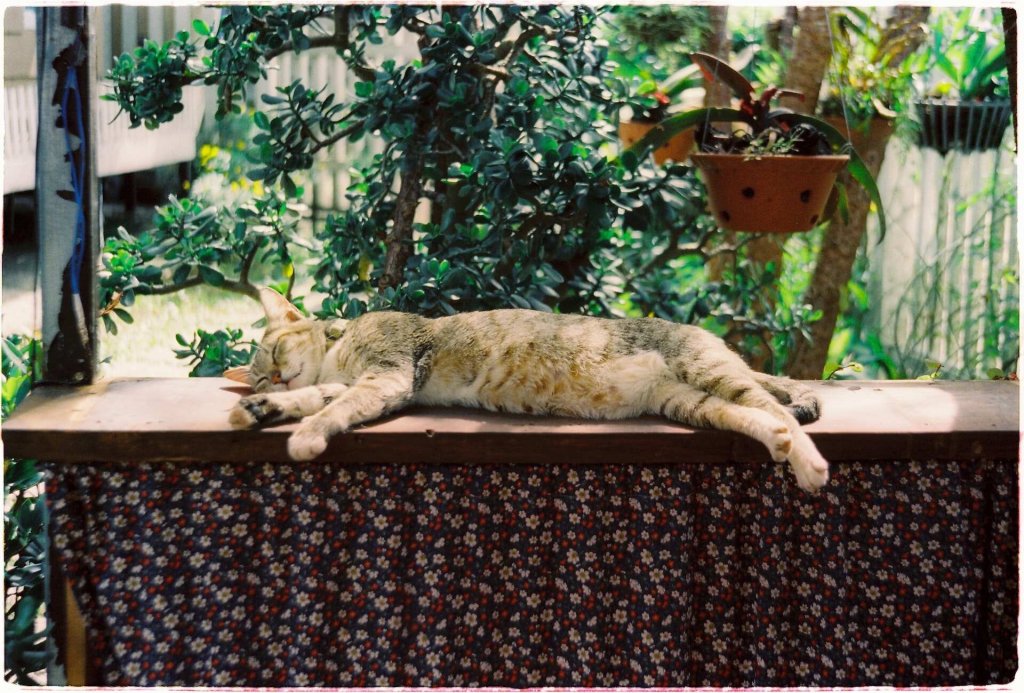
(77, 175)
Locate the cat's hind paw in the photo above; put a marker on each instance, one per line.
(254, 411)
(811, 480)
(809, 467)
(305, 445)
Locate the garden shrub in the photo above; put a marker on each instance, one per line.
(25, 542)
(497, 182)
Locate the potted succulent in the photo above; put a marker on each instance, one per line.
(778, 174)
(654, 105)
(968, 107)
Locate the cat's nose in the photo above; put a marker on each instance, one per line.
(275, 378)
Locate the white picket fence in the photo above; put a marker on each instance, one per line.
(944, 280)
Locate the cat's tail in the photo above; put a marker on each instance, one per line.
(797, 397)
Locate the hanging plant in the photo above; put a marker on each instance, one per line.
(778, 174)
(968, 107)
(872, 80)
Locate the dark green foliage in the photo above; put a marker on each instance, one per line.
(501, 133)
(148, 83)
(652, 41)
(25, 544)
(192, 242)
(212, 353)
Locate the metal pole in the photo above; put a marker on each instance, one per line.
(67, 194)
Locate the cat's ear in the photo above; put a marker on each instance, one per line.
(279, 311)
(240, 374)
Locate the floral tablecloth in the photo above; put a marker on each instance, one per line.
(899, 573)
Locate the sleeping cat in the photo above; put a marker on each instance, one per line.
(336, 374)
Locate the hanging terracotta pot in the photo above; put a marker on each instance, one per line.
(768, 193)
(965, 126)
(677, 148)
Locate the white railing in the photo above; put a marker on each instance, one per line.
(119, 29)
(120, 148)
(21, 123)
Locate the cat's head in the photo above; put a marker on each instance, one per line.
(290, 353)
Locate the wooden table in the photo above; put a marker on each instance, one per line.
(168, 419)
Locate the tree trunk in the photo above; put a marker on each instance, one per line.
(831, 273)
(717, 43)
(786, 29)
(805, 72)
(842, 239)
(716, 95)
(812, 51)
(399, 238)
(1010, 39)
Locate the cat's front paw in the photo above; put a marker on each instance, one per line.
(781, 443)
(253, 411)
(306, 444)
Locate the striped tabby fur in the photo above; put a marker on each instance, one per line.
(334, 375)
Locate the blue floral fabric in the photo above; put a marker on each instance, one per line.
(898, 573)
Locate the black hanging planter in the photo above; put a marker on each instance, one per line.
(965, 126)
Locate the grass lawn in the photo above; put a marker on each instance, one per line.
(146, 347)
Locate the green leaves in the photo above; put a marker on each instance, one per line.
(186, 234)
(934, 370)
(212, 353)
(302, 122)
(364, 90)
(25, 544)
(832, 370)
(192, 242)
(970, 52)
(148, 82)
(211, 276)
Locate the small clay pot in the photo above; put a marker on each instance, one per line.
(677, 148)
(770, 193)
